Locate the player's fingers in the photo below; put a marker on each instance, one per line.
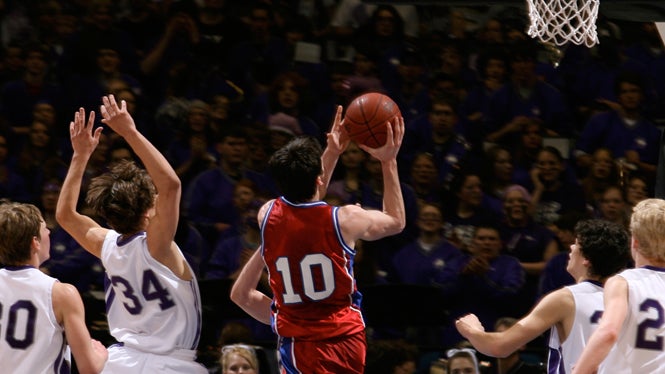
(114, 104)
(91, 119)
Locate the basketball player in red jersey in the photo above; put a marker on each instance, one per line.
(308, 248)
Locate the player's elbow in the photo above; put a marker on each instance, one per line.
(64, 216)
(238, 295)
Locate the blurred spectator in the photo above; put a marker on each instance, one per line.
(425, 181)
(418, 262)
(492, 71)
(98, 26)
(288, 94)
(636, 189)
(612, 206)
(351, 16)
(256, 62)
(529, 242)
(38, 160)
(12, 63)
(192, 151)
(209, 197)
(12, 184)
(437, 133)
(623, 129)
(348, 175)
(230, 253)
(391, 357)
(481, 271)
(499, 172)
(467, 208)
(555, 190)
(283, 128)
(525, 96)
(18, 97)
(462, 361)
(603, 172)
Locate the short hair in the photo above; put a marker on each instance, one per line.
(646, 225)
(19, 224)
(605, 244)
(295, 168)
(245, 351)
(122, 196)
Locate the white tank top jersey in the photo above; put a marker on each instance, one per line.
(641, 343)
(31, 340)
(588, 296)
(148, 307)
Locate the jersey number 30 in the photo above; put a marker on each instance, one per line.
(12, 336)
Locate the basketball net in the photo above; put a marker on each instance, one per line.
(562, 21)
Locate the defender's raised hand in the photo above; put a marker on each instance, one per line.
(116, 116)
(84, 139)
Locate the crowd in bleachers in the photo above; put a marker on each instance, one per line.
(504, 134)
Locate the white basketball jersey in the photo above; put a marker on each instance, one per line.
(588, 298)
(148, 307)
(31, 340)
(640, 346)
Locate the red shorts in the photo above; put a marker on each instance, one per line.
(340, 355)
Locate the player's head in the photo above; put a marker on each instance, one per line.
(646, 226)
(604, 244)
(296, 167)
(239, 356)
(21, 229)
(122, 197)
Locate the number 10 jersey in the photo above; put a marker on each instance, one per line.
(311, 272)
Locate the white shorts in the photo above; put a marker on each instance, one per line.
(125, 360)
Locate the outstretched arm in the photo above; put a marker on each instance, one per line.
(358, 223)
(549, 312)
(90, 355)
(163, 224)
(82, 228)
(607, 333)
(245, 294)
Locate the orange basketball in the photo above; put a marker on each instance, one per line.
(366, 117)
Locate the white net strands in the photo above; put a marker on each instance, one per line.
(563, 21)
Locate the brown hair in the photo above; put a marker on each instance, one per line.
(19, 225)
(122, 196)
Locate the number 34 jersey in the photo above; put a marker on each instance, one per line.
(311, 272)
(148, 307)
(640, 346)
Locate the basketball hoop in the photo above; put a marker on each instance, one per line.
(562, 21)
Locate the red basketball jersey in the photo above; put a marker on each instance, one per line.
(311, 272)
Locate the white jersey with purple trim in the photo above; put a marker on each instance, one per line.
(640, 347)
(588, 298)
(31, 339)
(148, 307)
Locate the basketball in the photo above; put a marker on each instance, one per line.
(366, 117)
